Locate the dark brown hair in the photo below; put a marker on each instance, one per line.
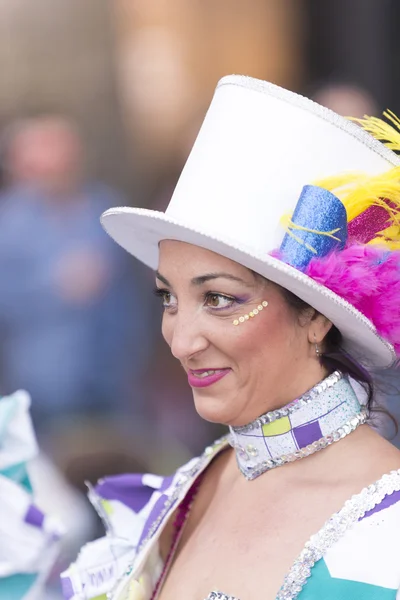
(334, 357)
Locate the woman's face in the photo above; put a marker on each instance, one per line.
(237, 372)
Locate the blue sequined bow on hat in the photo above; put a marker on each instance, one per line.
(317, 227)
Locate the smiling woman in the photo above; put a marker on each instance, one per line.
(230, 368)
(278, 277)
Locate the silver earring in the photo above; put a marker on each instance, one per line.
(317, 350)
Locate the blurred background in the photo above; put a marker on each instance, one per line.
(100, 102)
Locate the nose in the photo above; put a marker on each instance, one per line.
(187, 336)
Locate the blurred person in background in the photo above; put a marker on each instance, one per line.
(69, 331)
(346, 98)
(69, 328)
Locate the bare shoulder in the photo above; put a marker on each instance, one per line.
(377, 453)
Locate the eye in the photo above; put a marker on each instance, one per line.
(219, 301)
(168, 299)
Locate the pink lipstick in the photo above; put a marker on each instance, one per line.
(205, 377)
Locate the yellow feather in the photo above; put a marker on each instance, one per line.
(374, 191)
(389, 237)
(359, 191)
(381, 130)
(343, 180)
(289, 225)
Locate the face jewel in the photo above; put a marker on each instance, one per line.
(251, 314)
(251, 450)
(241, 453)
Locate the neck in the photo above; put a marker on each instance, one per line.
(323, 415)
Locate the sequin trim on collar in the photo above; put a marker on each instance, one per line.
(220, 596)
(325, 414)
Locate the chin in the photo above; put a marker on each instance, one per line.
(213, 409)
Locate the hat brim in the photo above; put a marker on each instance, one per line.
(139, 231)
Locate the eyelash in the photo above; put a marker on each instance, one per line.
(161, 293)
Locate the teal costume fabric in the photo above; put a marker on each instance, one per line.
(364, 563)
(321, 584)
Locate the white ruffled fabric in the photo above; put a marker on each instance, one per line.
(102, 563)
(28, 538)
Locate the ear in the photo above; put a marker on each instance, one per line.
(318, 327)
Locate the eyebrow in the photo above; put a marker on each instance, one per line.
(163, 279)
(207, 277)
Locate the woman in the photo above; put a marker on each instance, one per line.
(279, 276)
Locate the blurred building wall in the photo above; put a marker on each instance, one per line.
(171, 54)
(353, 43)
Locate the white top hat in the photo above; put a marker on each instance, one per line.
(258, 146)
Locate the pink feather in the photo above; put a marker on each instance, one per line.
(368, 277)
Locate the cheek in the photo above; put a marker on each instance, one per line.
(269, 340)
(166, 329)
(247, 344)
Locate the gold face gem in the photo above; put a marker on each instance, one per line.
(251, 314)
